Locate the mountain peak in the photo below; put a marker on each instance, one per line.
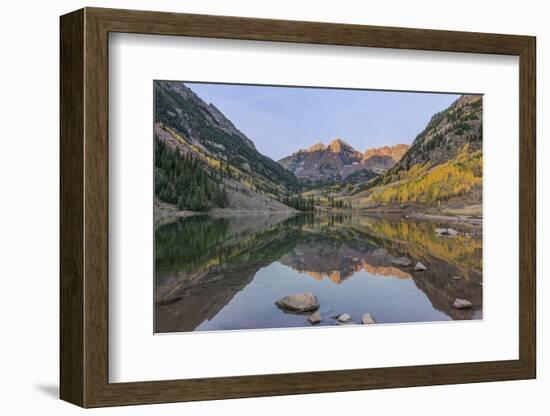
(316, 147)
(394, 152)
(337, 145)
(467, 99)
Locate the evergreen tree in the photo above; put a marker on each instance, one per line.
(183, 180)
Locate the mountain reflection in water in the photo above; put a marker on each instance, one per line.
(226, 273)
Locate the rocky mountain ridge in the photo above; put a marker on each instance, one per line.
(193, 136)
(447, 133)
(338, 160)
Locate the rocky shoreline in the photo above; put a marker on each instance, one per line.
(167, 213)
(464, 220)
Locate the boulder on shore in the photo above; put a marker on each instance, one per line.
(314, 318)
(446, 231)
(368, 319)
(420, 267)
(344, 317)
(462, 304)
(401, 261)
(299, 302)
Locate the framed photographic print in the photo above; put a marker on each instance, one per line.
(256, 207)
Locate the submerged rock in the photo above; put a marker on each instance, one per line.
(462, 304)
(314, 318)
(420, 267)
(299, 302)
(325, 311)
(401, 261)
(344, 317)
(368, 319)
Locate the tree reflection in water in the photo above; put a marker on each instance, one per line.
(223, 273)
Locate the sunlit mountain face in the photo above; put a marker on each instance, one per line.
(338, 161)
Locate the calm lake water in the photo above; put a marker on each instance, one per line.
(226, 273)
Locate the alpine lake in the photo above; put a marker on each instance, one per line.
(226, 273)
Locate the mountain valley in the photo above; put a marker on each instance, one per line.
(330, 234)
(203, 163)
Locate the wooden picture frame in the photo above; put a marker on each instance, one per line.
(84, 207)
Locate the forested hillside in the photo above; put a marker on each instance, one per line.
(443, 164)
(204, 162)
(186, 182)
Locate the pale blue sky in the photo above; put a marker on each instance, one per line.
(281, 120)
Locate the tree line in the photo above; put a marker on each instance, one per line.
(184, 181)
(299, 203)
(338, 203)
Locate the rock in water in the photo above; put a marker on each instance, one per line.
(368, 319)
(299, 302)
(315, 318)
(462, 304)
(420, 267)
(401, 261)
(344, 317)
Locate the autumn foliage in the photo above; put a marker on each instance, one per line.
(431, 185)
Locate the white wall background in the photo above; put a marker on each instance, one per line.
(29, 210)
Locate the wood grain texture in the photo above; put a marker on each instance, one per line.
(84, 205)
(527, 208)
(96, 208)
(225, 27)
(71, 208)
